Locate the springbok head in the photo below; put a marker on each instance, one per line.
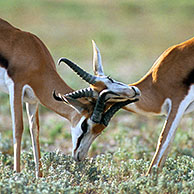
(102, 90)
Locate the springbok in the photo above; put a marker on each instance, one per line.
(28, 74)
(167, 89)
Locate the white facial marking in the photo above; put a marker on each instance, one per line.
(76, 132)
(181, 110)
(85, 143)
(120, 88)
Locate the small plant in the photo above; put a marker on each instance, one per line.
(107, 173)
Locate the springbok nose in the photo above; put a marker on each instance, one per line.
(136, 90)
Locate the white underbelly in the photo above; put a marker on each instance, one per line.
(3, 86)
(5, 81)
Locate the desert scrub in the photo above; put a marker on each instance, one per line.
(107, 173)
(6, 146)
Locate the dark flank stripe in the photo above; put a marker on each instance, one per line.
(189, 79)
(3, 62)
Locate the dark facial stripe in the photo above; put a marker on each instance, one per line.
(84, 128)
(79, 141)
(189, 79)
(110, 79)
(3, 62)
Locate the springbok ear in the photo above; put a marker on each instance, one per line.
(97, 61)
(76, 104)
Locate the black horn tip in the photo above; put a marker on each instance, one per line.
(56, 97)
(63, 59)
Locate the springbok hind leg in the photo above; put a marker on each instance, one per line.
(15, 94)
(32, 112)
(168, 133)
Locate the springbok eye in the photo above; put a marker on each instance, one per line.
(84, 126)
(110, 79)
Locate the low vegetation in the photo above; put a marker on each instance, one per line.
(121, 157)
(107, 173)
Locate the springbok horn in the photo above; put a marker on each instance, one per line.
(106, 117)
(86, 92)
(99, 107)
(91, 79)
(97, 61)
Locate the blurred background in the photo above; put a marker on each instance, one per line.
(131, 34)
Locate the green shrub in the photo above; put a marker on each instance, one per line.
(107, 173)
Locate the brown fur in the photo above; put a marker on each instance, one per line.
(98, 86)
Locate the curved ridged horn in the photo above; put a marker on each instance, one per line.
(86, 92)
(99, 107)
(113, 109)
(91, 79)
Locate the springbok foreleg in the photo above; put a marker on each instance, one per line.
(168, 133)
(32, 112)
(15, 94)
